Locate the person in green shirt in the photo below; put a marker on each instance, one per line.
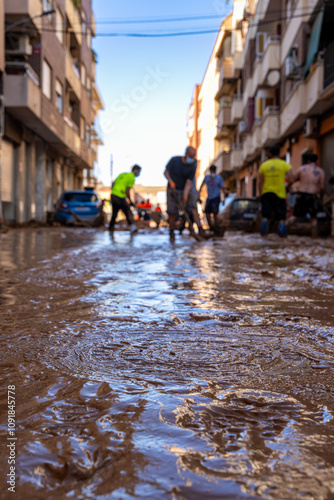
(120, 192)
(272, 176)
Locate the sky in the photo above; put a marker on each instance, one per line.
(147, 83)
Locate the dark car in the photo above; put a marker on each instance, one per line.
(239, 213)
(75, 206)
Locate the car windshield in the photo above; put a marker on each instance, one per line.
(243, 205)
(80, 197)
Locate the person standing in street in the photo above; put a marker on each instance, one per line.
(180, 173)
(215, 185)
(311, 183)
(271, 180)
(120, 193)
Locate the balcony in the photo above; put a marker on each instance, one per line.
(87, 154)
(236, 156)
(265, 133)
(19, 9)
(93, 25)
(72, 137)
(252, 144)
(74, 19)
(236, 109)
(72, 75)
(304, 100)
(270, 127)
(223, 161)
(237, 62)
(269, 61)
(96, 98)
(224, 120)
(226, 76)
(23, 94)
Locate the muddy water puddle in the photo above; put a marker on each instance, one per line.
(145, 370)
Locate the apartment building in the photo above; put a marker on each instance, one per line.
(229, 95)
(287, 86)
(276, 87)
(218, 101)
(51, 104)
(203, 111)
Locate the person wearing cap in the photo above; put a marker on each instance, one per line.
(180, 173)
(215, 186)
(121, 191)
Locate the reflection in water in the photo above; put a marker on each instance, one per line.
(150, 371)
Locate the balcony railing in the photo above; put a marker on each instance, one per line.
(236, 110)
(22, 90)
(22, 68)
(224, 118)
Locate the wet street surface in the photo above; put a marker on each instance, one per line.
(149, 370)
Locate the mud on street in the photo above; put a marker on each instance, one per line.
(148, 370)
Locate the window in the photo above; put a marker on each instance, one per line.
(89, 86)
(59, 26)
(47, 5)
(47, 80)
(82, 128)
(59, 96)
(261, 104)
(83, 75)
(88, 135)
(83, 23)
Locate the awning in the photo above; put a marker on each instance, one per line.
(314, 41)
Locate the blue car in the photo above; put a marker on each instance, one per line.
(75, 206)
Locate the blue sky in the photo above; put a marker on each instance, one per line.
(147, 83)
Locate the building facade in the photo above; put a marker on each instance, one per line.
(51, 104)
(276, 87)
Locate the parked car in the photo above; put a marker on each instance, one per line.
(75, 206)
(239, 213)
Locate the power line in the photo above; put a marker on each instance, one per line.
(179, 19)
(186, 33)
(193, 32)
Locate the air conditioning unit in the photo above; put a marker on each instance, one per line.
(311, 127)
(242, 127)
(20, 47)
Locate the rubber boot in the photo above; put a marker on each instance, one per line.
(264, 228)
(282, 230)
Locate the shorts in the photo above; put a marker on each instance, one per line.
(212, 205)
(175, 198)
(273, 207)
(306, 203)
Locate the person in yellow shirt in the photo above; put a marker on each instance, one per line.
(272, 176)
(120, 192)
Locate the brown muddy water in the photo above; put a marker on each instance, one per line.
(148, 370)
